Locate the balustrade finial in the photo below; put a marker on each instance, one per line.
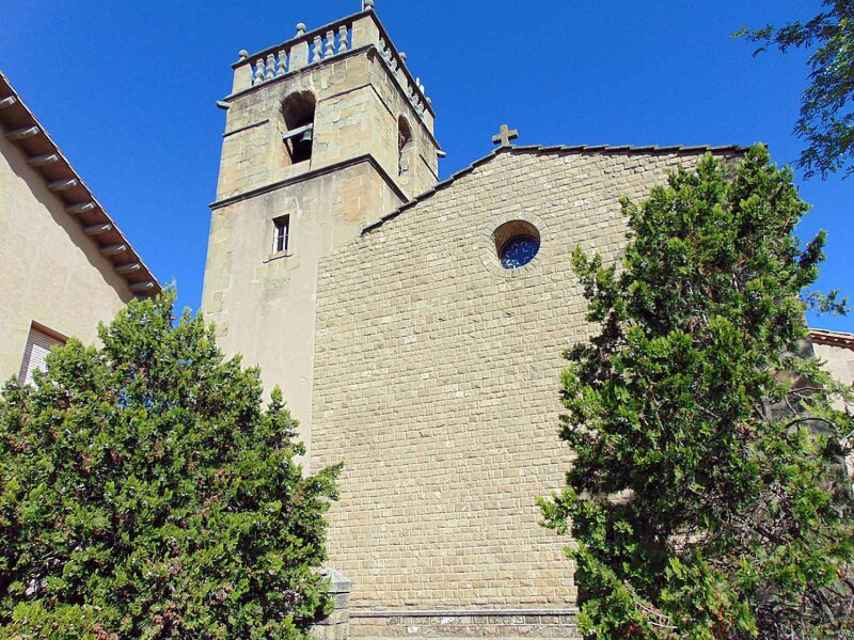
(300, 29)
(367, 5)
(243, 54)
(402, 55)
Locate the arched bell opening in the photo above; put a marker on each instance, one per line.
(298, 113)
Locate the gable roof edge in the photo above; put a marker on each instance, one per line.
(540, 149)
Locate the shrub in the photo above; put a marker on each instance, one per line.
(148, 493)
(705, 501)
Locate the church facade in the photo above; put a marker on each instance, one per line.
(416, 326)
(437, 379)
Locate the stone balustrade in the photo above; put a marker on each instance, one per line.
(414, 89)
(307, 48)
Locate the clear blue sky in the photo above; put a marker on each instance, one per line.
(127, 88)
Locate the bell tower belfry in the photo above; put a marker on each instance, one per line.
(325, 133)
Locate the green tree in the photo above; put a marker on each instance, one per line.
(706, 500)
(147, 493)
(826, 121)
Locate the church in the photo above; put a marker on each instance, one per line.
(416, 325)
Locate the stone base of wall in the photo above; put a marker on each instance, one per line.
(336, 626)
(450, 625)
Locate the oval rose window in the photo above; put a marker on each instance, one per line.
(516, 242)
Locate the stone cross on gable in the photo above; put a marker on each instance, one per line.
(505, 135)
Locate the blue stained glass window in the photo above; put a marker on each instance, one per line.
(519, 251)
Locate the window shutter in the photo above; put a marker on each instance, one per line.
(39, 345)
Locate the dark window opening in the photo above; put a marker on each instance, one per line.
(404, 146)
(281, 228)
(298, 113)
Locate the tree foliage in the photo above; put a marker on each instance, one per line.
(147, 493)
(826, 121)
(706, 500)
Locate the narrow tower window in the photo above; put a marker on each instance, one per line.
(281, 229)
(404, 146)
(298, 113)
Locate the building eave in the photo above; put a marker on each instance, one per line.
(840, 339)
(24, 130)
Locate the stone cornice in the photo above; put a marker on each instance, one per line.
(309, 175)
(840, 339)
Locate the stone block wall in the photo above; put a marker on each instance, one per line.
(836, 350)
(263, 303)
(358, 103)
(503, 623)
(422, 159)
(437, 385)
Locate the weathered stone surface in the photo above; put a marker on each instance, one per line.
(336, 626)
(264, 305)
(436, 381)
(498, 625)
(839, 360)
(358, 106)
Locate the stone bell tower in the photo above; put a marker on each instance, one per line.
(324, 134)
